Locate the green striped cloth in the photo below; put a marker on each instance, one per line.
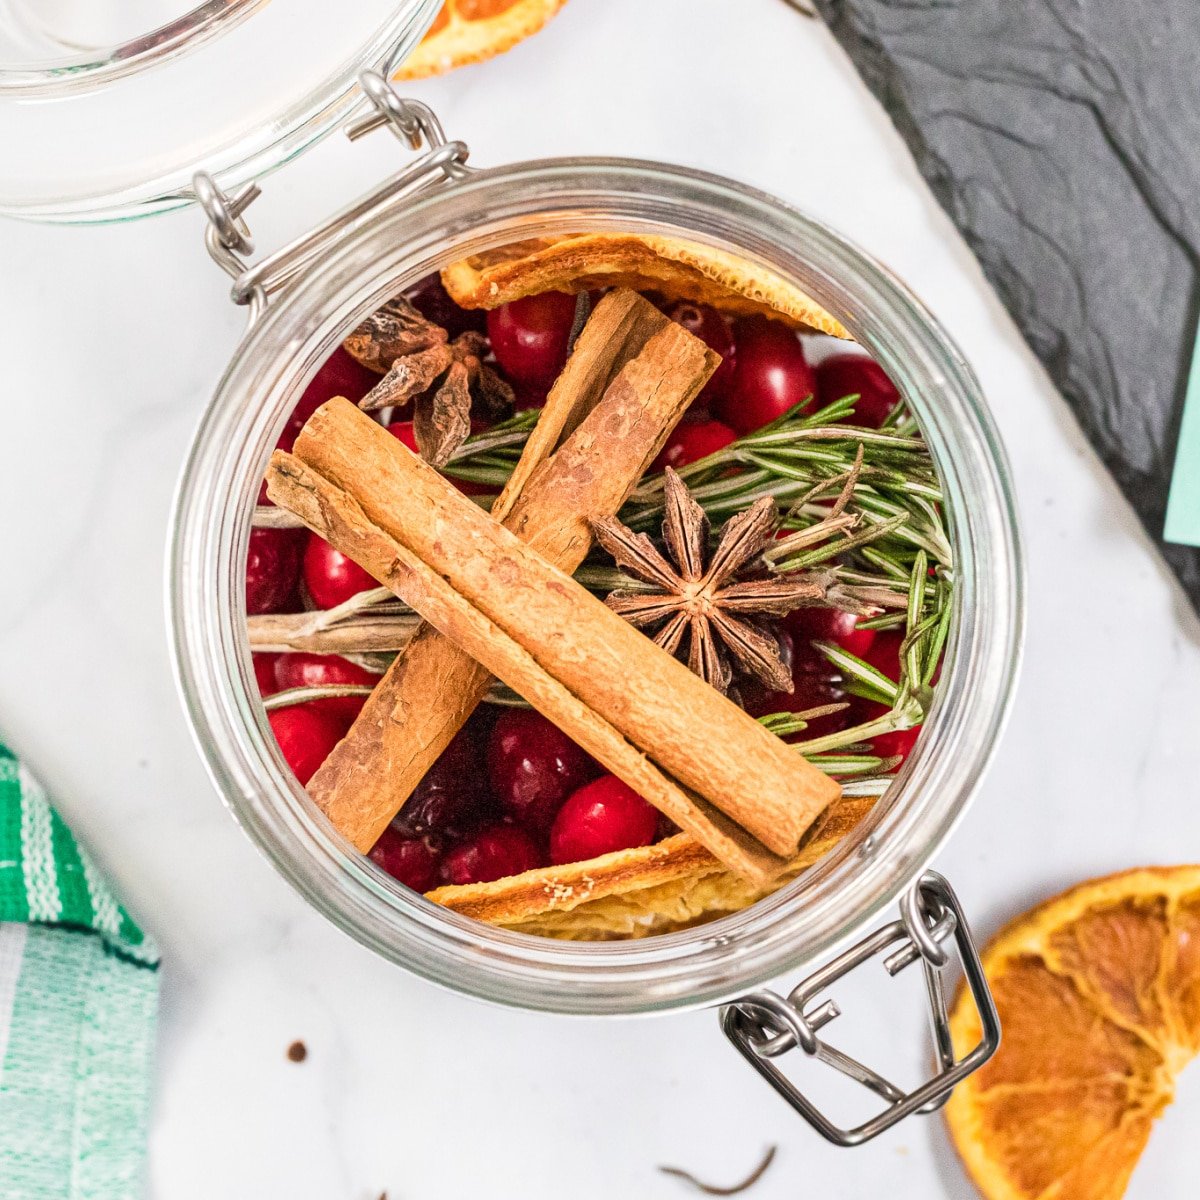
(78, 995)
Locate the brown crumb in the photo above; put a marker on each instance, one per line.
(297, 1052)
(711, 1190)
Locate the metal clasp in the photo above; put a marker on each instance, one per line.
(228, 237)
(764, 1025)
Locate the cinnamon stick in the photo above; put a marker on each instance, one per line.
(694, 734)
(648, 370)
(617, 332)
(338, 517)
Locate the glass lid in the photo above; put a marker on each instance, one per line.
(109, 107)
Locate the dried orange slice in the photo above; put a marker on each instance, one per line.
(678, 269)
(468, 31)
(1099, 999)
(636, 893)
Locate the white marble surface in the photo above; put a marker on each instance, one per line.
(112, 339)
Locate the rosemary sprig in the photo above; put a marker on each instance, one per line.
(370, 622)
(927, 621)
(302, 695)
(785, 723)
(864, 504)
(498, 694)
(841, 765)
(489, 457)
(860, 678)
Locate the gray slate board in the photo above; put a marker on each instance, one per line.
(1063, 138)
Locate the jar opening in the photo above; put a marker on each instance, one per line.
(780, 932)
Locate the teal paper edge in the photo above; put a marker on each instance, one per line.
(1183, 501)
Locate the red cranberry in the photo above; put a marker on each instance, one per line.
(325, 670)
(884, 656)
(601, 817)
(470, 487)
(272, 569)
(305, 737)
(808, 625)
(264, 673)
(692, 442)
(884, 653)
(330, 576)
(814, 685)
(855, 374)
(452, 801)
(339, 375)
(493, 853)
(433, 302)
(810, 690)
(529, 396)
(770, 375)
(896, 744)
(410, 860)
(863, 710)
(704, 322)
(404, 431)
(530, 337)
(886, 745)
(534, 767)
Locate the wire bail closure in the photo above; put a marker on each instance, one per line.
(227, 236)
(764, 1025)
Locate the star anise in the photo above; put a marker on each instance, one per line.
(711, 600)
(421, 363)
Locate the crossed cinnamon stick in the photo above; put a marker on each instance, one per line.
(432, 688)
(499, 600)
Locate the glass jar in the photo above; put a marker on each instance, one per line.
(300, 315)
(108, 108)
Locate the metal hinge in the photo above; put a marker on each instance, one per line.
(764, 1025)
(227, 236)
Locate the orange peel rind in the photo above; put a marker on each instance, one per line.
(635, 893)
(470, 31)
(673, 267)
(1099, 997)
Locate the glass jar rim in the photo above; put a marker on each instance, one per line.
(88, 68)
(239, 87)
(710, 963)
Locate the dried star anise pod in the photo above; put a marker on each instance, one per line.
(712, 600)
(420, 363)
